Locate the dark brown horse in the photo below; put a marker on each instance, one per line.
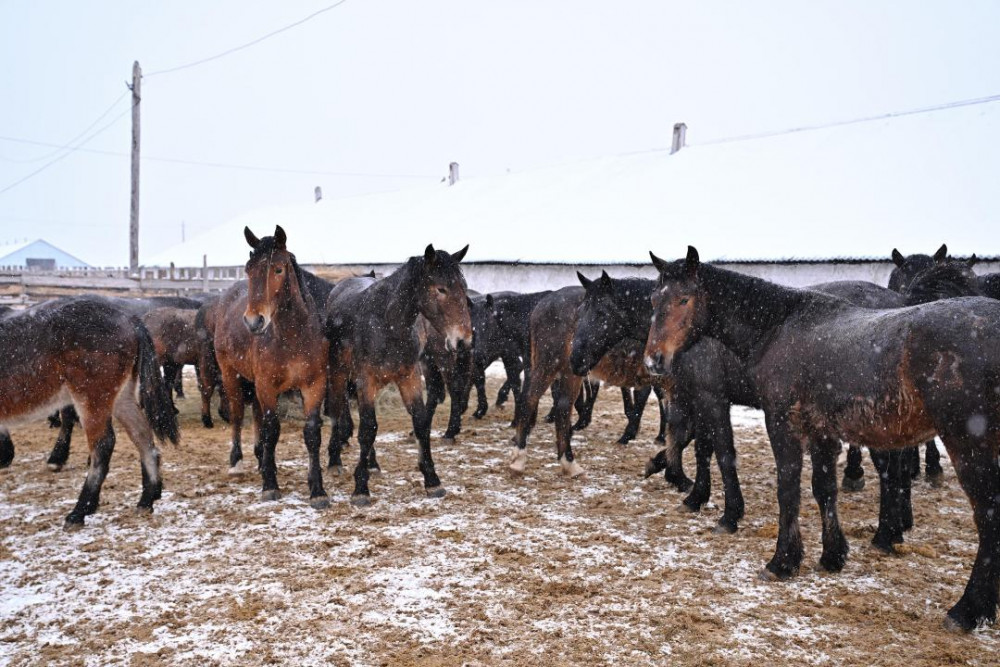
(829, 371)
(89, 352)
(371, 325)
(269, 334)
(553, 325)
(175, 339)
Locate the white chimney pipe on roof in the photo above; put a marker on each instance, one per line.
(680, 137)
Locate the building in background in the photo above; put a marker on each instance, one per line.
(37, 255)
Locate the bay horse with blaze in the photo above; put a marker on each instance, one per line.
(269, 334)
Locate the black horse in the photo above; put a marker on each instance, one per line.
(829, 371)
(371, 326)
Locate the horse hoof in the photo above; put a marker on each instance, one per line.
(207, 422)
(767, 576)
(851, 484)
(436, 492)
(236, 469)
(651, 469)
(724, 528)
(72, 525)
(336, 470)
(447, 441)
(361, 501)
(54, 467)
(319, 502)
(572, 469)
(375, 471)
(269, 495)
(936, 479)
(517, 461)
(143, 510)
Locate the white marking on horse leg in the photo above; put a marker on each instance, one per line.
(236, 468)
(571, 469)
(518, 460)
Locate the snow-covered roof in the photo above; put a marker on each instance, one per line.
(17, 254)
(849, 191)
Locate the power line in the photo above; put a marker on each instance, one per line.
(247, 45)
(222, 165)
(853, 121)
(72, 149)
(82, 132)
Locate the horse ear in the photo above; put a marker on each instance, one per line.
(251, 239)
(972, 260)
(458, 256)
(489, 301)
(661, 265)
(897, 257)
(371, 274)
(692, 261)
(586, 282)
(605, 279)
(430, 254)
(279, 237)
(941, 254)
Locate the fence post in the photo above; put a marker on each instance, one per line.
(204, 273)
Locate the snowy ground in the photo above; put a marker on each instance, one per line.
(501, 571)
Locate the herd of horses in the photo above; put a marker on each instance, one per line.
(887, 368)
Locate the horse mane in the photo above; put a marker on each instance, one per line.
(942, 280)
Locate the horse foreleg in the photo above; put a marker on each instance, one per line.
(585, 404)
(932, 463)
(716, 422)
(409, 391)
(206, 387)
(788, 461)
(60, 451)
(854, 474)
(269, 430)
(562, 391)
(479, 381)
(367, 430)
(824, 454)
(312, 404)
(638, 399)
(890, 526)
(525, 413)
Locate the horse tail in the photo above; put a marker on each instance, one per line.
(154, 395)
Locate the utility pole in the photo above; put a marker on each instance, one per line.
(133, 227)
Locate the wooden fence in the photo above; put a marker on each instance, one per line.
(26, 286)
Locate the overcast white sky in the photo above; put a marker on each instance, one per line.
(399, 88)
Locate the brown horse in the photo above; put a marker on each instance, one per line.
(89, 352)
(209, 376)
(371, 325)
(829, 371)
(175, 339)
(268, 333)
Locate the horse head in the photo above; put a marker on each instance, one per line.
(272, 279)
(601, 323)
(680, 311)
(441, 296)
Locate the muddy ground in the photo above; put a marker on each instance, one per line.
(503, 571)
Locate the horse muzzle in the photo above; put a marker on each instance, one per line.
(657, 364)
(256, 324)
(456, 341)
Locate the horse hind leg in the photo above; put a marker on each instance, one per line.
(60, 451)
(932, 463)
(131, 417)
(6, 448)
(562, 391)
(101, 439)
(889, 466)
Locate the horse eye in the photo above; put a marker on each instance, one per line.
(442, 290)
(683, 301)
(278, 270)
